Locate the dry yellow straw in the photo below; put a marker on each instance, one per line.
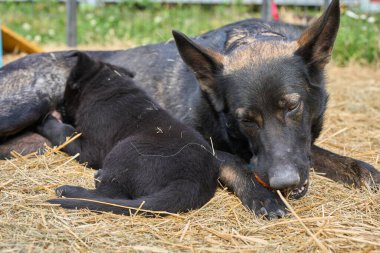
(70, 140)
(139, 209)
(317, 241)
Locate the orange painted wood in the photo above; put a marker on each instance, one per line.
(15, 42)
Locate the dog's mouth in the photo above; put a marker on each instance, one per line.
(293, 193)
(297, 192)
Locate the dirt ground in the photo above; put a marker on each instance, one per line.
(333, 217)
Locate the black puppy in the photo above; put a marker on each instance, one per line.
(144, 154)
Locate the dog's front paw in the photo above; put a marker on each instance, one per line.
(368, 174)
(269, 206)
(345, 169)
(264, 202)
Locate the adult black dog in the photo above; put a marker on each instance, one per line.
(257, 89)
(144, 154)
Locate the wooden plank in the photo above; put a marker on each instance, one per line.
(15, 42)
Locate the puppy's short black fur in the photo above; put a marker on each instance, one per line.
(144, 154)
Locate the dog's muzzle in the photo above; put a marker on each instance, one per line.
(292, 193)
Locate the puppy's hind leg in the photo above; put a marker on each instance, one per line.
(102, 190)
(178, 196)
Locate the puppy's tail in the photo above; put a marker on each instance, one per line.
(174, 198)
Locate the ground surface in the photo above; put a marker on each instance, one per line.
(339, 218)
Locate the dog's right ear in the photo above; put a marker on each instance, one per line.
(205, 63)
(83, 67)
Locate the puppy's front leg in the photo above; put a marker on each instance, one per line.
(344, 169)
(235, 175)
(57, 132)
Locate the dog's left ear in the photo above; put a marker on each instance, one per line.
(205, 63)
(316, 42)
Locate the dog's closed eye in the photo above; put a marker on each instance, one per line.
(249, 123)
(290, 102)
(293, 106)
(249, 119)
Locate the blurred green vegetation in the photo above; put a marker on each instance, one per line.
(145, 22)
(358, 40)
(141, 23)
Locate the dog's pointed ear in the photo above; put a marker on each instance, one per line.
(205, 63)
(84, 66)
(317, 41)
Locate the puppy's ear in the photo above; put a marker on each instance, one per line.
(316, 42)
(84, 66)
(205, 63)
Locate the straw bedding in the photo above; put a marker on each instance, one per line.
(331, 217)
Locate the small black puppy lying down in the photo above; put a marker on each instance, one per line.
(144, 154)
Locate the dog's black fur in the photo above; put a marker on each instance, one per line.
(256, 88)
(144, 154)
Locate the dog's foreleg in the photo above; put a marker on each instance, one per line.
(235, 175)
(344, 169)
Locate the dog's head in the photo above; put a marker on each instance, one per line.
(273, 92)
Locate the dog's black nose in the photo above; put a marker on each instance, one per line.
(284, 177)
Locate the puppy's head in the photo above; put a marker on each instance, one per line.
(86, 77)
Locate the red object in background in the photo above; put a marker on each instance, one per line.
(375, 1)
(275, 15)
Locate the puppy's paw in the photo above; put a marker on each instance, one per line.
(46, 125)
(69, 191)
(98, 176)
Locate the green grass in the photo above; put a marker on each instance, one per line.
(44, 23)
(146, 23)
(357, 40)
